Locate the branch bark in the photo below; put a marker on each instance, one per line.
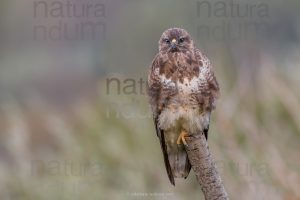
(204, 168)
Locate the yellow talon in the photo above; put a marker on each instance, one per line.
(181, 138)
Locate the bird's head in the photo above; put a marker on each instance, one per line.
(175, 40)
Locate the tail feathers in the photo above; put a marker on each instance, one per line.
(179, 162)
(175, 157)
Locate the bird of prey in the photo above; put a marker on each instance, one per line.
(182, 90)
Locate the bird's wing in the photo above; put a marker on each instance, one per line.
(163, 145)
(154, 90)
(209, 90)
(154, 87)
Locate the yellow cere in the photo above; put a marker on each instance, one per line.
(174, 40)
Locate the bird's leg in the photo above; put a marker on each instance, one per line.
(181, 137)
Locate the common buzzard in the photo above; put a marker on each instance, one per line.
(182, 91)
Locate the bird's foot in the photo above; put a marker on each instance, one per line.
(181, 138)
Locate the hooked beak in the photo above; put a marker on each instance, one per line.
(173, 44)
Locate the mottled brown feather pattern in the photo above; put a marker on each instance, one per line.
(182, 90)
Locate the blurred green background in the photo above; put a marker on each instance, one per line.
(74, 118)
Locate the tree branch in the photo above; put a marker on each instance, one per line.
(204, 168)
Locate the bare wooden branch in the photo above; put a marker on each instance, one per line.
(204, 168)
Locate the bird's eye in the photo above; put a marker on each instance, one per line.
(181, 40)
(167, 41)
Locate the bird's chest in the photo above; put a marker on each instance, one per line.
(180, 72)
(184, 86)
(187, 86)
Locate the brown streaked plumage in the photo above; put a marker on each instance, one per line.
(182, 90)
